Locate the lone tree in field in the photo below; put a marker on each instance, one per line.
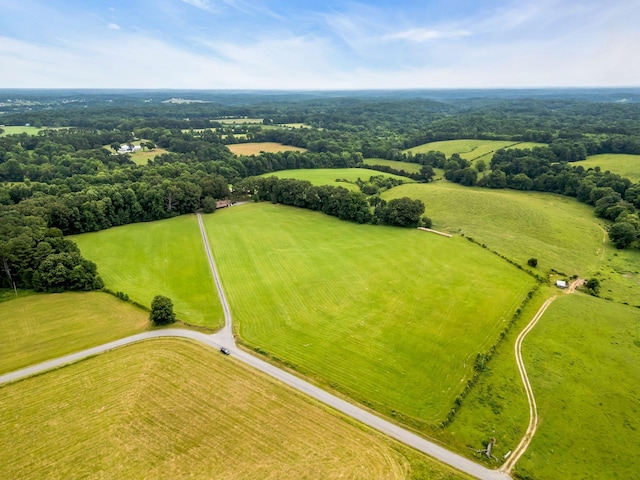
(532, 262)
(162, 311)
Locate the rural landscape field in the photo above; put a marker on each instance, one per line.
(408, 285)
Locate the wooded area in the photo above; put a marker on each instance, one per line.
(71, 179)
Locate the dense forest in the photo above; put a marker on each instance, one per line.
(70, 177)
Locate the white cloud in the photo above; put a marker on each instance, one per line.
(113, 26)
(426, 35)
(201, 4)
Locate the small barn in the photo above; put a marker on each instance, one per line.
(223, 203)
(561, 284)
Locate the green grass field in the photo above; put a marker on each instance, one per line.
(17, 130)
(392, 317)
(406, 166)
(328, 176)
(627, 166)
(158, 258)
(471, 149)
(583, 359)
(36, 328)
(171, 408)
(560, 232)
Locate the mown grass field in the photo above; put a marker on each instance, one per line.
(36, 328)
(170, 408)
(471, 149)
(254, 148)
(627, 166)
(560, 232)
(392, 317)
(328, 176)
(583, 359)
(406, 166)
(17, 130)
(158, 258)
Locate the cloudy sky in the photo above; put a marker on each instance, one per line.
(308, 44)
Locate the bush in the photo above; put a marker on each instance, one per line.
(532, 262)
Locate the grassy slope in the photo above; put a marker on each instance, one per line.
(471, 149)
(406, 166)
(40, 327)
(144, 418)
(328, 176)
(627, 166)
(584, 363)
(158, 258)
(394, 317)
(256, 147)
(560, 232)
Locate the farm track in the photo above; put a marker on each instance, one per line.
(507, 467)
(225, 338)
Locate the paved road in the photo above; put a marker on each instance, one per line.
(225, 338)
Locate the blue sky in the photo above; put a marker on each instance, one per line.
(332, 44)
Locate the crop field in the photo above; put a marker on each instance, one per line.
(627, 166)
(170, 408)
(254, 148)
(166, 257)
(471, 149)
(560, 232)
(328, 176)
(583, 359)
(392, 317)
(40, 327)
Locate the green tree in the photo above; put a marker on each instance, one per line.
(532, 262)
(622, 234)
(162, 311)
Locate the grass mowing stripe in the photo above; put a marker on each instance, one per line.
(171, 408)
(158, 258)
(40, 327)
(393, 317)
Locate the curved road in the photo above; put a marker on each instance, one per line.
(225, 338)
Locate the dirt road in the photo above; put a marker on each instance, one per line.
(507, 467)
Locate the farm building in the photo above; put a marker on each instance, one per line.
(223, 203)
(561, 284)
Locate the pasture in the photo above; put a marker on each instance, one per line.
(18, 130)
(627, 166)
(255, 148)
(471, 149)
(329, 176)
(391, 317)
(406, 166)
(165, 257)
(145, 418)
(583, 359)
(560, 232)
(36, 328)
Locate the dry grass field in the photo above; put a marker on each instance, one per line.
(172, 408)
(257, 147)
(40, 327)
